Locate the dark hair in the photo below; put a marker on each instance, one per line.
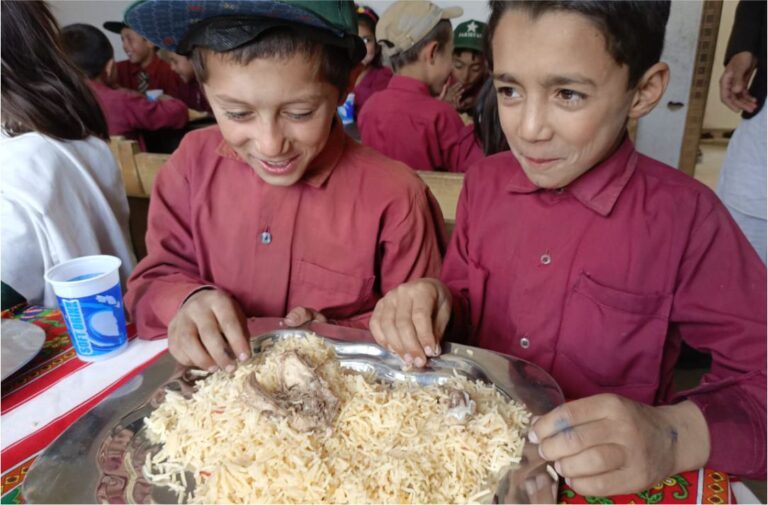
(633, 29)
(366, 18)
(282, 43)
(87, 47)
(442, 33)
(43, 91)
(486, 119)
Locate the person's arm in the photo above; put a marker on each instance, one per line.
(719, 308)
(744, 46)
(167, 294)
(606, 444)
(145, 114)
(22, 263)
(411, 246)
(457, 156)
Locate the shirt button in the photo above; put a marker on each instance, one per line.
(266, 237)
(525, 343)
(546, 259)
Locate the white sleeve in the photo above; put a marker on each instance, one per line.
(22, 242)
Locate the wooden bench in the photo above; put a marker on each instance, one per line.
(139, 170)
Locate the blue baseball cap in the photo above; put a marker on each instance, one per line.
(182, 25)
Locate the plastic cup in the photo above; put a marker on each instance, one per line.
(89, 296)
(154, 94)
(347, 110)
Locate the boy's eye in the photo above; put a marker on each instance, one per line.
(236, 116)
(571, 96)
(458, 65)
(298, 116)
(507, 92)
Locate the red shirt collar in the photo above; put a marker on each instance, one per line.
(320, 168)
(599, 188)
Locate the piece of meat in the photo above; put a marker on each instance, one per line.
(303, 396)
(460, 406)
(256, 397)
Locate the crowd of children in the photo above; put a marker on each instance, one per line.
(571, 249)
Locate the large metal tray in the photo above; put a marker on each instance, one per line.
(99, 458)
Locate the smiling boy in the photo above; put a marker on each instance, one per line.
(578, 253)
(274, 211)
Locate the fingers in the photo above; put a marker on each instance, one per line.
(298, 316)
(569, 415)
(209, 331)
(593, 461)
(233, 326)
(410, 320)
(606, 484)
(573, 440)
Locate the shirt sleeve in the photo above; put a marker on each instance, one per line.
(145, 114)
(719, 307)
(22, 263)
(745, 34)
(411, 245)
(169, 273)
(455, 274)
(457, 152)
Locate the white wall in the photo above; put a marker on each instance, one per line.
(92, 12)
(717, 115)
(95, 12)
(660, 133)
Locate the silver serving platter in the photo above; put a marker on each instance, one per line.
(99, 458)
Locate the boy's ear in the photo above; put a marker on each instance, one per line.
(430, 51)
(650, 88)
(110, 71)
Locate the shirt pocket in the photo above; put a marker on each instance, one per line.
(615, 337)
(323, 289)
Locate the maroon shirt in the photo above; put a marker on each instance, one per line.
(127, 113)
(160, 75)
(375, 79)
(601, 282)
(406, 123)
(356, 226)
(191, 94)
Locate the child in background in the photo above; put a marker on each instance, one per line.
(405, 121)
(374, 76)
(469, 69)
(143, 70)
(578, 253)
(190, 92)
(275, 211)
(127, 112)
(62, 194)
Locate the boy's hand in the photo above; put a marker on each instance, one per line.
(410, 320)
(452, 93)
(607, 445)
(209, 331)
(734, 91)
(302, 315)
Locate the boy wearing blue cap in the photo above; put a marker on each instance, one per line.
(275, 210)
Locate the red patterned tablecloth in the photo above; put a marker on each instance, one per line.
(57, 360)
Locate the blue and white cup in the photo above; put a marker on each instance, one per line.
(347, 110)
(91, 301)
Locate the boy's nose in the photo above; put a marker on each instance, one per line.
(533, 124)
(270, 140)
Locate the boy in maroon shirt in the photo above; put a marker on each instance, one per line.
(405, 121)
(577, 253)
(143, 70)
(274, 212)
(127, 112)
